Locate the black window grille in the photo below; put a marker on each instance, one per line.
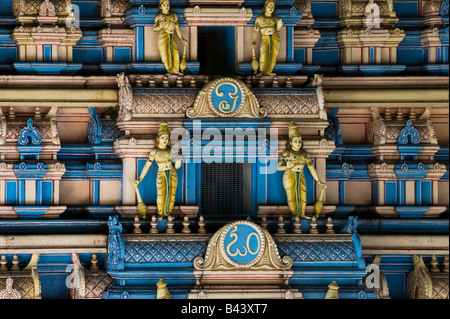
(226, 189)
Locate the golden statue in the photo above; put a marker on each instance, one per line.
(166, 23)
(167, 179)
(332, 292)
(292, 162)
(268, 25)
(161, 291)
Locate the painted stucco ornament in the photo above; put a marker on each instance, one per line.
(242, 245)
(268, 25)
(166, 23)
(162, 292)
(166, 179)
(372, 13)
(292, 162)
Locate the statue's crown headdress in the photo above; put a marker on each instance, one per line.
(293, 131)
(163, 129)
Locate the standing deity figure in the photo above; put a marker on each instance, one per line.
(268, 25)
(372, 13)
(166, 179)
(166, 23)
(292, 162)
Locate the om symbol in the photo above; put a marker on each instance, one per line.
(227, 97)
(242, 244)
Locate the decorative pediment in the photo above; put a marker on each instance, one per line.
(242, 245)
(226, 98)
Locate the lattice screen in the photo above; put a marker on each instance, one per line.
(226, 189)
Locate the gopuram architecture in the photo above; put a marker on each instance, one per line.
(224, 149)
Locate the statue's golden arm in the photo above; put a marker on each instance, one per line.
(157, 25)
(179, 34)
(314, 174)
(147, 166)
(255, 34)
(282, 164)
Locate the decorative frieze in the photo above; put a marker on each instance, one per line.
(168, 104)
(385, 133)
(88, 283)
(425, 284)
(17, 283)
(198, 16)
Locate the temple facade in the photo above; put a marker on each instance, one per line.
(235, 149)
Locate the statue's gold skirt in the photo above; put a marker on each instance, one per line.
(168, 48)
(270, 46)
(166, 186)
(295, 185)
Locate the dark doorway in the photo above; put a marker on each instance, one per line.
(216, 50)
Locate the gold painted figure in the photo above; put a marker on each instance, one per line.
(167, 178)
(166, 23)
(268, 25)
(292, 162)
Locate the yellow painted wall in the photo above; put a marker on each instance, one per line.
(358, 193)
(443, 193)
(110, 192)
(74, 193)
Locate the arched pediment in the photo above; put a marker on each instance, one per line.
(226, 98)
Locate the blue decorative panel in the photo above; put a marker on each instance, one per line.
(8, 50)
(276, 194)
(324, 9)
(396, 283)
(326, 51)
(160, 251)
(6, 8)
(47, 53)
(390, 193)
(299, 55)
(122, 55)
(88, 49)
(53, 285)
(318, 251)
(427, 192)
(11, 193)
(88, 9)
(406, 9)
(47, 192)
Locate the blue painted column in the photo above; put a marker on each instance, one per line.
(139, 54)
(290, 44)
(95, 184)
(138, 18)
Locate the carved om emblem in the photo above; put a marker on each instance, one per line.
(226, 97)
(242, 244)
(246, 248)
(225, 106)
